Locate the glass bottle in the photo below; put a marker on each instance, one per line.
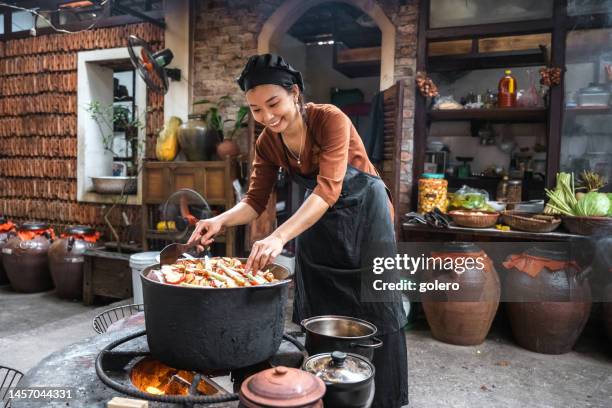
(502, 189)
(506, 96)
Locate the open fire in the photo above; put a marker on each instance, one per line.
(154, 377)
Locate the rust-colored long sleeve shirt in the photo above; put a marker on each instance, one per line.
(331, 143)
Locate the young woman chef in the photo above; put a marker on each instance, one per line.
(345, 210)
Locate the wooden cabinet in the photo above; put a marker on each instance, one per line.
(212, 179)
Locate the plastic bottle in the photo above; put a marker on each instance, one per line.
(506, 97)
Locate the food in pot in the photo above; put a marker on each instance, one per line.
(218, 272)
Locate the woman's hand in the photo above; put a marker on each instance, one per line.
(205, 231)
(264, 252)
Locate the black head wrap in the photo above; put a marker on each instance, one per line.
(269, 69)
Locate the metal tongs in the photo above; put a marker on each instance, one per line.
(435, 218)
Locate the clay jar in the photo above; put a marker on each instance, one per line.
(227, 148)
(607, 311)
(197, 139)
(464, 316)
(66, 260)
(548, 309)
(26, 261)
(6, 231)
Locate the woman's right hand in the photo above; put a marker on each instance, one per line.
(205, 232)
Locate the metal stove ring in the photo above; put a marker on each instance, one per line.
(175, 399)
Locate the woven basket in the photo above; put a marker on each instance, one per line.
(525, 222)
(479, 219)
(588, 225)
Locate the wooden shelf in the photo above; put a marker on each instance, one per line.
(587, 110)
(465, 62)
(492, 115)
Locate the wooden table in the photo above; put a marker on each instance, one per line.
(106, 274)
(421, 233)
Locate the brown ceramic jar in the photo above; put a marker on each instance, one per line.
(66, 260)
(607, 311)
(7, 230)
(25, 258)
(282, 387)
(548, 311)
(464, 316)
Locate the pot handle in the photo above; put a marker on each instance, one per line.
(377, 343)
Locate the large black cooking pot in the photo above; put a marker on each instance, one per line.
(214, 328)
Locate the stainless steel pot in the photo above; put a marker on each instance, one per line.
(348, 378)
(325, 334)
(198, 328)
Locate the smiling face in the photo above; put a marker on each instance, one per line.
(273, 106)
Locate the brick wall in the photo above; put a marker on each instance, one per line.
(38, 125)
(225, 36)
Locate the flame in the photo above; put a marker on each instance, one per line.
(154, 390)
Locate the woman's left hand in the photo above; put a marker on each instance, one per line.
(264, 252)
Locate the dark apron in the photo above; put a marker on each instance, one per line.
(329, 265)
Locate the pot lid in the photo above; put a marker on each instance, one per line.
(80, 230)
(339, 367)
(282, 387)
(33, 226)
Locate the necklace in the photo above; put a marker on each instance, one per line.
(299, 156)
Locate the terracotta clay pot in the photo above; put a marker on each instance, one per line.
(26, 261)
(66, 261)
(548, 312)
(462, 317)
(607, 311)
(227, 148)
(4, 237)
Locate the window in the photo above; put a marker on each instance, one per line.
(1, 24)
(105, 78)
(21, 21)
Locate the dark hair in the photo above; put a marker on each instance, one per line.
(301, 103)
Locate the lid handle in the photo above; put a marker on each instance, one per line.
(338, 358)
(280, 370)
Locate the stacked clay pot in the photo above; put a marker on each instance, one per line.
(66, 260)
(462, 317)
(7, 229)
(25, 258)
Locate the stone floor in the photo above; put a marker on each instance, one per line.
(497, 373)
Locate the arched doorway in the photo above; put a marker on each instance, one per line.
(290, 11)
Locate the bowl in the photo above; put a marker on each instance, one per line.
(588, 225)
(435, 145)
(498, 206)
(474, 219)
(115, 184)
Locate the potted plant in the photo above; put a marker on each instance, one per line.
(214, 119)
(110, 119)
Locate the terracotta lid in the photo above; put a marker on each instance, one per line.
(281, 387)
(33, 226)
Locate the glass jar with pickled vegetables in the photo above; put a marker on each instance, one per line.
(432, 192)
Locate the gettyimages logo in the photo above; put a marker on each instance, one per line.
(411, 265)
